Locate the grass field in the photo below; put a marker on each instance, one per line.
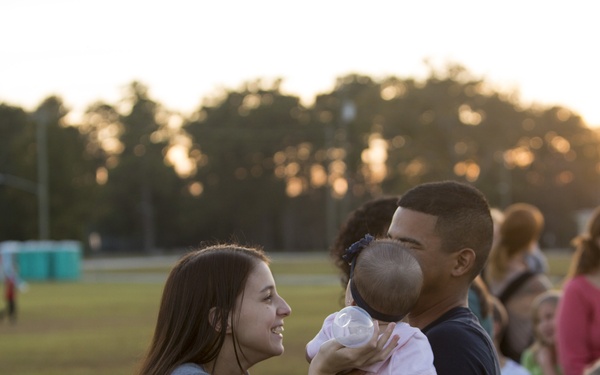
(90, 328)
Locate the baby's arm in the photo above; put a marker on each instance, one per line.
(325, 334)
(334, 357)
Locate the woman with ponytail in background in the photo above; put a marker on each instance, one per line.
(578, 321)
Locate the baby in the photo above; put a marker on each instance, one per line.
(385, 280)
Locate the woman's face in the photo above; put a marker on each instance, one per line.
(259, 324)
(545, 325)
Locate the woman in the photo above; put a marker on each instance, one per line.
(220, 314)
(578, 321)
(510, 278)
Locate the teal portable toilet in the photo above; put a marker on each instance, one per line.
(8, 257)
(66, 260)
(33, 259)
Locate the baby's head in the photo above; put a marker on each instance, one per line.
(388, 279)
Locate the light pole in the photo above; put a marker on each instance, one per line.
(348, 114)
(335, 210)
(42, 169)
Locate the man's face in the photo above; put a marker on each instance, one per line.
(416, 231)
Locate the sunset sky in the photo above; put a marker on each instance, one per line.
(185, 50)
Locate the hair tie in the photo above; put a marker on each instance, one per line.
(352, 252)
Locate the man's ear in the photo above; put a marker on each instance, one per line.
(214, 318)
(464, 260)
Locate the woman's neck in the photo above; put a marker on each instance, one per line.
(226, 362)
(223, 367)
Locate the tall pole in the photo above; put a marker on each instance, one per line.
(42, 171)
(330, 212)
(347, 115)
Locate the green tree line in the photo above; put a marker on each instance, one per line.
(257, 166)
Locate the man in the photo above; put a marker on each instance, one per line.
(449, 228)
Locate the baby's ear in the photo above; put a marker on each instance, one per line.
(464, 261)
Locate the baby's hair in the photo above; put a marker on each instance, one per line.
(388, 277)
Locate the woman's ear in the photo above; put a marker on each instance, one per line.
(228, 330)
(214, 318)
(464, 261)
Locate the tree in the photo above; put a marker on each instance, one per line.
(140, 192)
(452, 126)
(255, 150)
(254, 165)
(18, 188)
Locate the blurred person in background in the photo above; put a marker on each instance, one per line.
(541, 357)
(510, 278)
(507, 365)
(12, 282)
(10, 297)
(578, 320)
(372, 217)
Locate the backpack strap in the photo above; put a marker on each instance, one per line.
(514, 286)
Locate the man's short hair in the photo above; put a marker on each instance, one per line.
(463, 216)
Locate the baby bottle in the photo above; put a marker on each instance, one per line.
(353, 327)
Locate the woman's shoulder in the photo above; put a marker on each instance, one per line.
(537, 283)
(581, 284)
(189, 369)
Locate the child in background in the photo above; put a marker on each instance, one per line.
(385, 280)
(10, 296)
(500, 316)
(541, 357)
(12, 283)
